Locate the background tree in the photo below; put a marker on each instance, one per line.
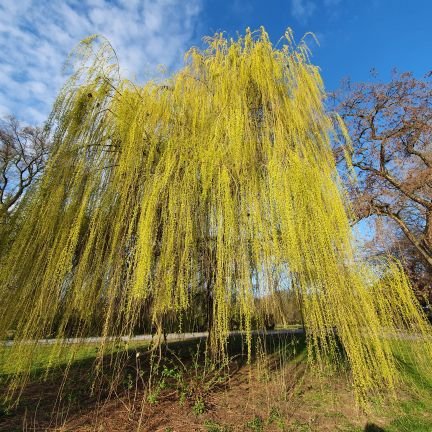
(391, 129)
(419, 272)
(23, 154)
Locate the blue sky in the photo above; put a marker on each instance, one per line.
(355, 36)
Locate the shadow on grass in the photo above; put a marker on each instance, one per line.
(371, 427)
(49, 400)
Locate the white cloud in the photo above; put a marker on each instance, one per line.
(302, 10)
(36, 37)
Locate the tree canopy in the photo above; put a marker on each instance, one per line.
(219, 178)
(391, 129)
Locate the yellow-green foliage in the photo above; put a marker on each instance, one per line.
(221, 178)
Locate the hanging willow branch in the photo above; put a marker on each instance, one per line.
(223, 181)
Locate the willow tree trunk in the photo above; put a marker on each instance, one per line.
(211, 344)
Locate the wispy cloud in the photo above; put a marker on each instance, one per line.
(36, 37)
(302, 10)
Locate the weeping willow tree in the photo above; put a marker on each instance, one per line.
(218, 180)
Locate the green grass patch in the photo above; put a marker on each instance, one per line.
(43, 355)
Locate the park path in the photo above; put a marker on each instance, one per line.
(148, 337)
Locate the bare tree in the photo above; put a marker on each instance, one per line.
(391, 129)
(416, 268)
(23, 154)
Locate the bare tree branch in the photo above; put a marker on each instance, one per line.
(23, 154)
(391, 129)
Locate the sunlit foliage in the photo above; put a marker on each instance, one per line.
(219, 179)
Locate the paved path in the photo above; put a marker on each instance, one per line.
(148, 337)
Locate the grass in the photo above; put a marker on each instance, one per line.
(42, 355)
(415, 411)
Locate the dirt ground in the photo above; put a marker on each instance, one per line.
(249, 402)
(266, 395)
